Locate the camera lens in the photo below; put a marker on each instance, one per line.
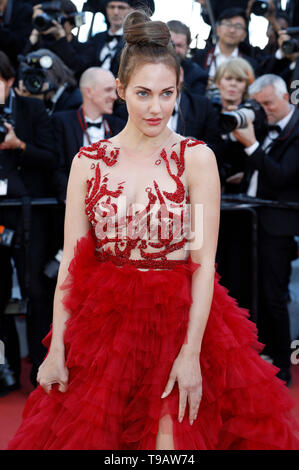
(43, 22)
(290, 46)
(228, 122)
(260, 7)
(34, 81)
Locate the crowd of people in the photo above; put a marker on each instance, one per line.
(59, 94)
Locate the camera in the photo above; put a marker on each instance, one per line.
(51, 12)
(291, 45)
(4, 117)
(33, 71)
(214, 96)
(260, 7)
(250, 110)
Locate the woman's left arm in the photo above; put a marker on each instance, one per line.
(205, 195)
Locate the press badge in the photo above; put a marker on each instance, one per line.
(3, 187)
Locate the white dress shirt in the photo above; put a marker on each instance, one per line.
(94, 133)
(219, 58)
(272, 135)
(173, 121)
(109, 50)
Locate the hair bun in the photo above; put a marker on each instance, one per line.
(140, 30)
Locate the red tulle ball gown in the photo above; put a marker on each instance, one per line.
(129, 301)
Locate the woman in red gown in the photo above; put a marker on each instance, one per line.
(147, 350)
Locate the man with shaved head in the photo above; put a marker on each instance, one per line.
(90, 123)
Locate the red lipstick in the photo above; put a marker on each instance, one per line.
(153, 122)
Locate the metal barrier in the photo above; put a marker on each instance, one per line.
(240, 202)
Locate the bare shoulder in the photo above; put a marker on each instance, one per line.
(80, 161)
(80, 168)
(200, 161)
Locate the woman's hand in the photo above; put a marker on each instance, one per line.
(11, 141)
(186, 371)
(53, 371)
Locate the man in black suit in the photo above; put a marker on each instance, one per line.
(232, 30)
(59, 38)
(26, 157)
(195, 78)
(273, 167)
(109, 44)
(91, 122)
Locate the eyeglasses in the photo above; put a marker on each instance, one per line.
(236, 26)
(117, 7)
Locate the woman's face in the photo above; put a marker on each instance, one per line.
(232, 88)
(150, 97)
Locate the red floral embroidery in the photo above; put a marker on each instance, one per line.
(102, 213)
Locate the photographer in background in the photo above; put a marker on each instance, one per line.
(43, 75)
(232, 30)
(280, 55)
(286, 60)
(15, 27)
(233, 79)
(52, 29)
(273, 166)
(26, 157)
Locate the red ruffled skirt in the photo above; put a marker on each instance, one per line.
(125, 329)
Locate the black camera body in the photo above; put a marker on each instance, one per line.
(33, 71)
(4, 117)
(250, 110)
(291, 45)
(52, 12)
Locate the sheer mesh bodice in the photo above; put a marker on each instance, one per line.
(139, 210)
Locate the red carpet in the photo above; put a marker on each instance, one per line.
(12, 405)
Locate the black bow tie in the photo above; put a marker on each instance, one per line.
(110, 37)
(94, 124)
(274, 127)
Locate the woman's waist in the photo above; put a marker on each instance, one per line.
(144, 262)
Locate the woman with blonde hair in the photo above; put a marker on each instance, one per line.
(233, 78)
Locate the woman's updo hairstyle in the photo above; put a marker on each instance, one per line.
(147, 41)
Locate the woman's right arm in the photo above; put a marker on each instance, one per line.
(76, 225)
